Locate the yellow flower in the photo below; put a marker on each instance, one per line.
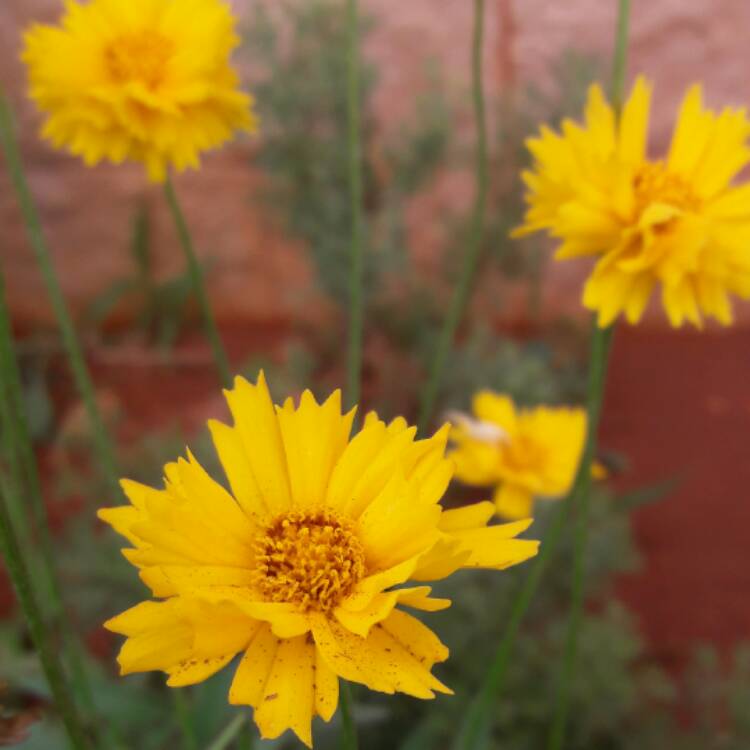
(524, 454)
(302, 565)
(678, 221)
(142, 80)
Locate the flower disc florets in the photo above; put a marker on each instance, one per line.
(654, 183)
(311, 559)
(140, 57)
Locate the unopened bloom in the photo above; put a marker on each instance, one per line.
(304, 565)
(678, 222)
(523, 454)
(142, 80)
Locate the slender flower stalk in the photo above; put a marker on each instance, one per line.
(348, 727)
(246, 740)
(580, 502)
(102, 445)
(353, 391)
(475, 724)
(199, 286)
(40, 636)
(184, 720)
(22, 462)
(233, 731)
(600, 350)
(356, 269)
(474, 250)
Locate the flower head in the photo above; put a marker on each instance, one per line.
(522, 453)
(142, 80)
(678, 222)
(304, 565)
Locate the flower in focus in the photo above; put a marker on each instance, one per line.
(304, 566)
(522, 453)
(679, 222)
(142, 80)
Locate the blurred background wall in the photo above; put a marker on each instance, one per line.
(256, 273)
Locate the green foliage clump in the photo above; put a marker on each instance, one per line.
(299, 58)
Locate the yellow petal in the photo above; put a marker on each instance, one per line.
(326, 688)
(170, 580)
(634, 123)
(496, 408)
(255, 419)
(314, 437)
(396, 656)
(254, 669)
(360, 621)
(692, 131)
(395, 526)
(288, 695)
(236, 463)
(468, 517)
(418, 597)
(513, 502)
(193, 671)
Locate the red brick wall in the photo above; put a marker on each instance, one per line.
(256, 272)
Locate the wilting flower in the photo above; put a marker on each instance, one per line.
(142, 80)
(303, 566)
(524, 453)
(678, 221)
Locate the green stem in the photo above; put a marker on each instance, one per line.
(232, 731)
(356, 268)
(184, 719)
(22, 461)
(348, 727)
(600, 341)
(102, 444)
(477, 717)
(620, 62)
(39, 634)
(600, 346)
(474, 251)
(199, 286)
(246, 740)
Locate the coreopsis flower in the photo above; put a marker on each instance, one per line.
(523, 454)
(678, 222)
(304, 565)
(142, 80)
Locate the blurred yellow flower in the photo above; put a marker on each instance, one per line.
(524, 453)
(678, 221)
(301, 567)
(142, 80)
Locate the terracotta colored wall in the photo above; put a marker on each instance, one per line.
(255, 272)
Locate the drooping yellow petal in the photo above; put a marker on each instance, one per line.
(287, 684)
(397, 655)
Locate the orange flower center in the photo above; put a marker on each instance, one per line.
(654, 183)
(140, 56)
(312, 559)
(523, 453)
